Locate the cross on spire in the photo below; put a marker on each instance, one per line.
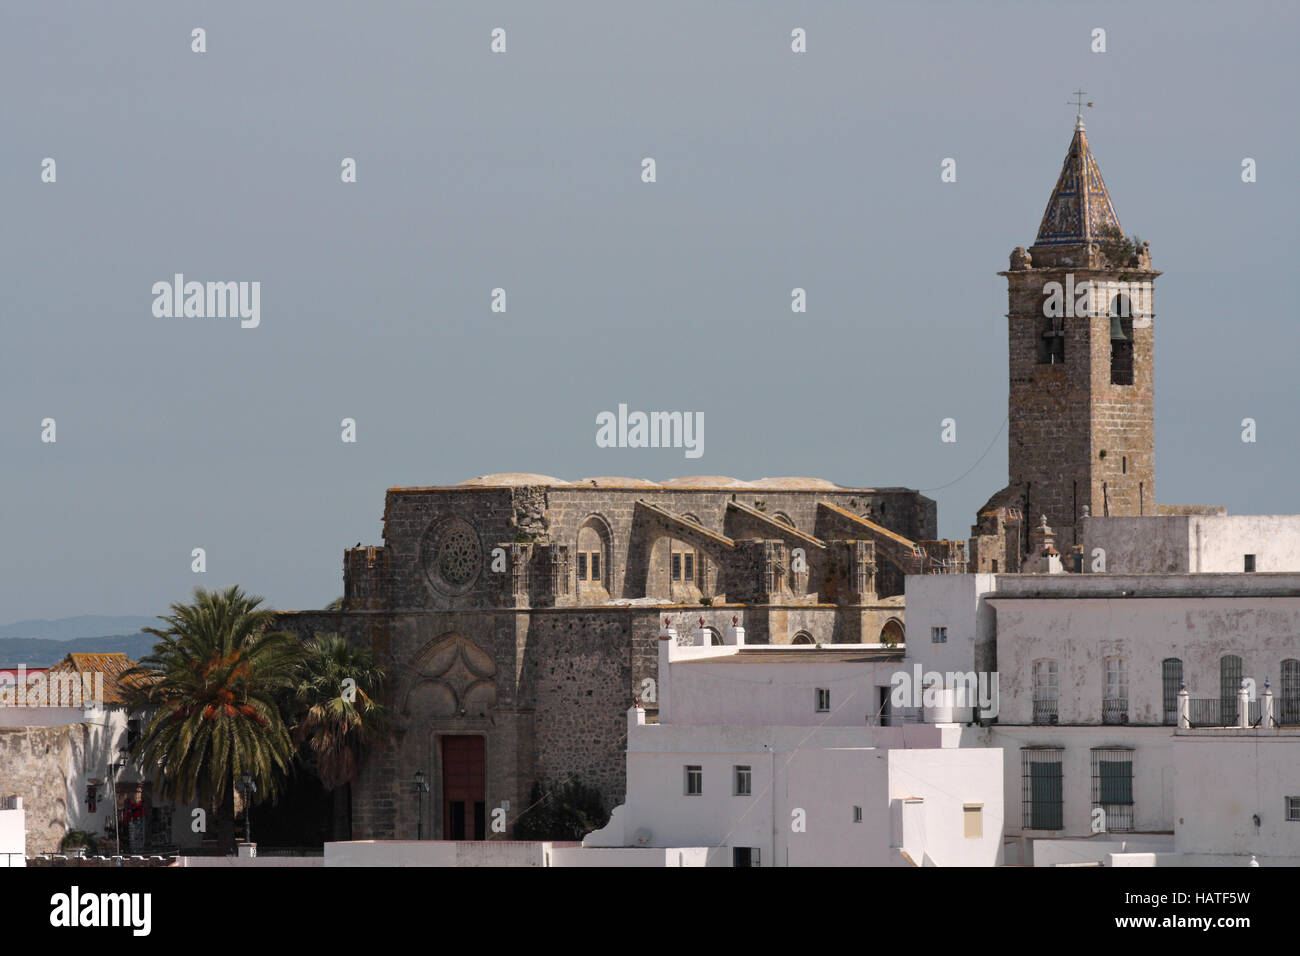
(1078, 105)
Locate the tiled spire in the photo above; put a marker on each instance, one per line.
(1080, 210)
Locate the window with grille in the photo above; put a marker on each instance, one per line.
(1249, 563)
(823, 699)
(1047, 691)
(744, 781)
(938, 635)
(582, 566)
(1229, 683)
(1288, 705)
(857, 814)
(694, 780)
(1112, 786)
(1293, 809)
(1114, 705)
(1171, 679)
(1042, 795)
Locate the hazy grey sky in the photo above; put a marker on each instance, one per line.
(522, 171)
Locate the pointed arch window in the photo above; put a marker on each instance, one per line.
(1121, 341)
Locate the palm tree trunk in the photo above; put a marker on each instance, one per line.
(341, 824)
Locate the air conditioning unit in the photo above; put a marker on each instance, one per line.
(1053, 719)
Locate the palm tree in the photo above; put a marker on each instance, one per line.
(211, 686)
(337, 714)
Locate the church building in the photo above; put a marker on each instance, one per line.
(518, 618)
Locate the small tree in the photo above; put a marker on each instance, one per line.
(336, 714)
(80, 839)
(1120, 250)
(568, 812)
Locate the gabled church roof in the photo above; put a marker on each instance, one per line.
(1080, 210)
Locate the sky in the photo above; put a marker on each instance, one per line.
(522, 171)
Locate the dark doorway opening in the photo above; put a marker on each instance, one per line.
(464, 810)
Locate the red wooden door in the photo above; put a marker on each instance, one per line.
(463, 773)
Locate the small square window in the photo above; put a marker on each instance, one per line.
(972, 820)
(857, 814)
(694, 780)
(744, 781)
(939, 635)
(823, 699)
(1293, 809)
(1250, 563)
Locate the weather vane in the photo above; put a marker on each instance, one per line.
(1078, 103)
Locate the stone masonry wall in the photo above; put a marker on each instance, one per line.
(35, 764)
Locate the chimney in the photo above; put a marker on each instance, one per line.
(667, 641)
(1043, 556)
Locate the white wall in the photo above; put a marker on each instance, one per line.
(570, 856)
(435, 853)
(957, 602)
(1080, 634)
(1153, 774)
(13, 838)
(946, 780)
(1077, 852)
(822, 774)
(1198, 544)
(256, 863)
(1223, 779)
(952, 601)
(777, 692)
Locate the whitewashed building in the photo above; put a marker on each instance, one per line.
(787, 756)
(1089, 669)
(63, 731)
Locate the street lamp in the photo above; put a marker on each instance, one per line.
(247, 787)
(115, 768)
(421, 787)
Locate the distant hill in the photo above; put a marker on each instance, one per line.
(40, 652)
(76, 628)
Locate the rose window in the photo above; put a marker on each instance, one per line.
(458, 556)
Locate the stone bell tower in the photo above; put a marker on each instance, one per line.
(1080, 334)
